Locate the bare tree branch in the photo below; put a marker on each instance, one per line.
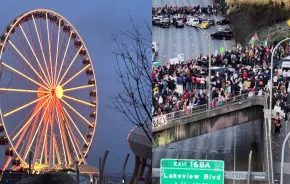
(133, 69)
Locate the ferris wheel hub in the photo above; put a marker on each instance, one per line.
(58, 92)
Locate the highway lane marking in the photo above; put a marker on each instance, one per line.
(286, 130)
(223, 40)
(218, 26)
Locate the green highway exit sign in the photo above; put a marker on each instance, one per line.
(184, 171)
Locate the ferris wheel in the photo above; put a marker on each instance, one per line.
(48, 93)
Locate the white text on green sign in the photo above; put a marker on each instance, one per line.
(191, 171)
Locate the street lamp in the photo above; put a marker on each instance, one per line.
(208, 37)
(271, 98)
(282, 157)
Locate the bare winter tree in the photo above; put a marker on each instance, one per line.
(133, 54)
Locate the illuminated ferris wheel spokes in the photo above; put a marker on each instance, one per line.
(42, 49)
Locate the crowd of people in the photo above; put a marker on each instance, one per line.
(189, 10)
(246, 70)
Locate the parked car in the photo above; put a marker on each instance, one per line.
(204, 25)
(214, 70)
(192, 22)
(173, 20)
(200, 19)
(156, 20)
(178, 18)
(223, 21)
(188, 17)
(165, 23)
(224, 29)
(224, 35)
(210, 21)
(179, 24)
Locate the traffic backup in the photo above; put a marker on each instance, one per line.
(179, 21)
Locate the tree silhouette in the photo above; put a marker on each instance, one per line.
(133, 53)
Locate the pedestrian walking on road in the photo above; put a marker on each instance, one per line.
(278, 123)
(208, 12)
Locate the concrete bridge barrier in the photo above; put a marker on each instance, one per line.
(181, 125)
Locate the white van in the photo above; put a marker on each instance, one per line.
(193, 22)
(158, 17)
(285, 62)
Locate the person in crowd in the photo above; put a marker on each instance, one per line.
(277, 123)
(244, 73)
(189, 10)
(183, 86)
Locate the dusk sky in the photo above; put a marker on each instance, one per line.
(96, 21)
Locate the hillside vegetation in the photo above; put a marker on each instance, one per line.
(266, 17)
(258, 2)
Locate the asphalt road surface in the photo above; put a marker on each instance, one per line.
(188, 40)
(232, 145)
(277, 143)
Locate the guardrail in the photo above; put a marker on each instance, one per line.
(162, 120)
